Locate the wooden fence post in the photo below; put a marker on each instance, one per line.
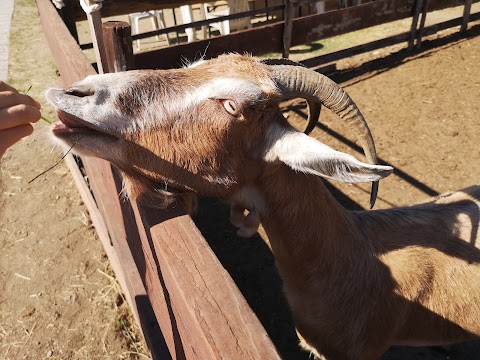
(117, 37)
(287, 29)
(413, 29)
(422, 23)
(466, 14)
(118, 50)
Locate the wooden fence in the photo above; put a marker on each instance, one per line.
(279, 36)
(185, 302)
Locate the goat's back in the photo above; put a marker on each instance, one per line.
(432, 252)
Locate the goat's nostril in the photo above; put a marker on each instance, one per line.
(79, 92)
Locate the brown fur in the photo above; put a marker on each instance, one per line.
(358, 283)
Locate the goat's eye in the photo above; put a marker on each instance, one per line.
(231, 107)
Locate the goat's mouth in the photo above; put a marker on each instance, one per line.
(70, 124)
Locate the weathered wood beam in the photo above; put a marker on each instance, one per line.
(207, 315)
(466, 14)
(95, 23)
(118, 46)
(421, 28)
(124, 7)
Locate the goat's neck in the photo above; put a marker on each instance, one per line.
(309, 232)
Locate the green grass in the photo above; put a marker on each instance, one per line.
(42, 117)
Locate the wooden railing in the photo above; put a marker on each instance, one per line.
(275, 37)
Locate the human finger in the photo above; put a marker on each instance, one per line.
(10, 136)
(18, 115)
(5, 87)
(12, 98)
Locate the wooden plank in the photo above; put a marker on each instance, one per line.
(119, 221)
(121, 258)
(123, 7)
(69, 58)
(89, 201)
(421, 29)
(413, 28)
(95, 23)
(434, 5)
(206, 309)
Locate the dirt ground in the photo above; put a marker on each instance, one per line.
(58, 299)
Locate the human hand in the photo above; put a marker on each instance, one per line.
(17, 113)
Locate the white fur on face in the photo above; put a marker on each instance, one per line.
(168, 101)
(240, 90)
(177, 102)
(100, 110)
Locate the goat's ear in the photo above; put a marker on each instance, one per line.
(305, 154)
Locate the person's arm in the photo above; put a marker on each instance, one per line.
(17, 113)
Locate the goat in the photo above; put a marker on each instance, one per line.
(356, 282)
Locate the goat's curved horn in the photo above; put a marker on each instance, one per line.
(298, 81)
(314, 107)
